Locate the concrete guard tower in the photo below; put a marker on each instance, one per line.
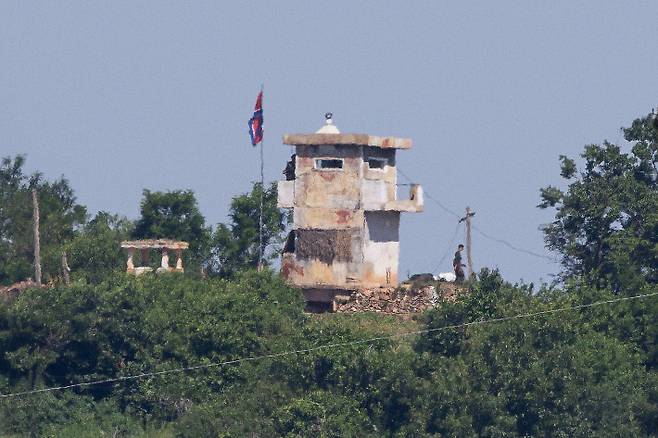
(343, 192)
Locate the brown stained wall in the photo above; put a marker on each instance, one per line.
(333, 247)
(326, 246)
(325, 257)
(327, 218)
(332, 189)
(328, 189)
(314, 273)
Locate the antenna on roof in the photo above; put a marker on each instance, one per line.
(329, 127)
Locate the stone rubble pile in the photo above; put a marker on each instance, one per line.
(405, 299)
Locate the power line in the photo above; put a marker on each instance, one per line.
(515, 248)
(485, 235)
(326, 346)
(449, 246)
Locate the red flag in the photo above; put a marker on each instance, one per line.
(256, 121)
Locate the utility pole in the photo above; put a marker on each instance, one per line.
(37, 244)
(469, 243)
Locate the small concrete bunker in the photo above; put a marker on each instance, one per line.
(346, 212)
(145, 246)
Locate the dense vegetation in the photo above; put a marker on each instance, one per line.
(592, 371)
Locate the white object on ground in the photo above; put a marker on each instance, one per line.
(446, 276)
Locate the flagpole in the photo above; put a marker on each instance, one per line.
(262, 189)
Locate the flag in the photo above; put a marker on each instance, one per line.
(256, 122)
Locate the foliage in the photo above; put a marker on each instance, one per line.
(322, 414)
(236, 246)
(606, 222)
(572, 373)
(95, 251)
(174, 215)
(256, 365)
(550, 375)
(129, 325)
(60, 215)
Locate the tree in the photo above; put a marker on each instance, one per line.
(127, 325)
(236, 246)
(60, 215)
(550, 375)
(174, 215)
(96, 251)
(606, 222)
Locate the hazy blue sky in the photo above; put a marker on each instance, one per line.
(123, 95)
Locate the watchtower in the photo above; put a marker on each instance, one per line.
(346, 212)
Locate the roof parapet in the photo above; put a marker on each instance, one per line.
(347, 139)
(154, 244)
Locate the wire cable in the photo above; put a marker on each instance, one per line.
(485, 235)
(515, 248)
(449, 246)
(326, 346)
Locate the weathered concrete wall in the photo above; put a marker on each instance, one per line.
(381, 248)
(325, 258)
(345, 218)
(285, 194)
(328, 188)
(327, 218)
(374, 194)
(414, 204)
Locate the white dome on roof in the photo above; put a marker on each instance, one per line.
(329, 127)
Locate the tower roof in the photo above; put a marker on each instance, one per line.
(347, 139)
(330, 135)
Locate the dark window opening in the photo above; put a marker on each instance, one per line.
(328, 163)
(377, 163)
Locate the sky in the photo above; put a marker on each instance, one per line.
(121, 96)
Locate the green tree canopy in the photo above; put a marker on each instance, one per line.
(60, 216)
(236, 246)
(96, 252)
(174, 215)
(606, 221)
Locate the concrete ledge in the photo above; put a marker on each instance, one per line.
(154, 244)
(348, 139)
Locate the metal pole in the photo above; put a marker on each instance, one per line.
(262, 189)
(469, 256)
(260, 218)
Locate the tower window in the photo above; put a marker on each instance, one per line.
(328, 163)
(377, 163)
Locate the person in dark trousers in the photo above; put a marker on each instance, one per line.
(458, 266)
(289, 171)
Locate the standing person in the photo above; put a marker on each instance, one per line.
(457, 264)
(289, 171)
